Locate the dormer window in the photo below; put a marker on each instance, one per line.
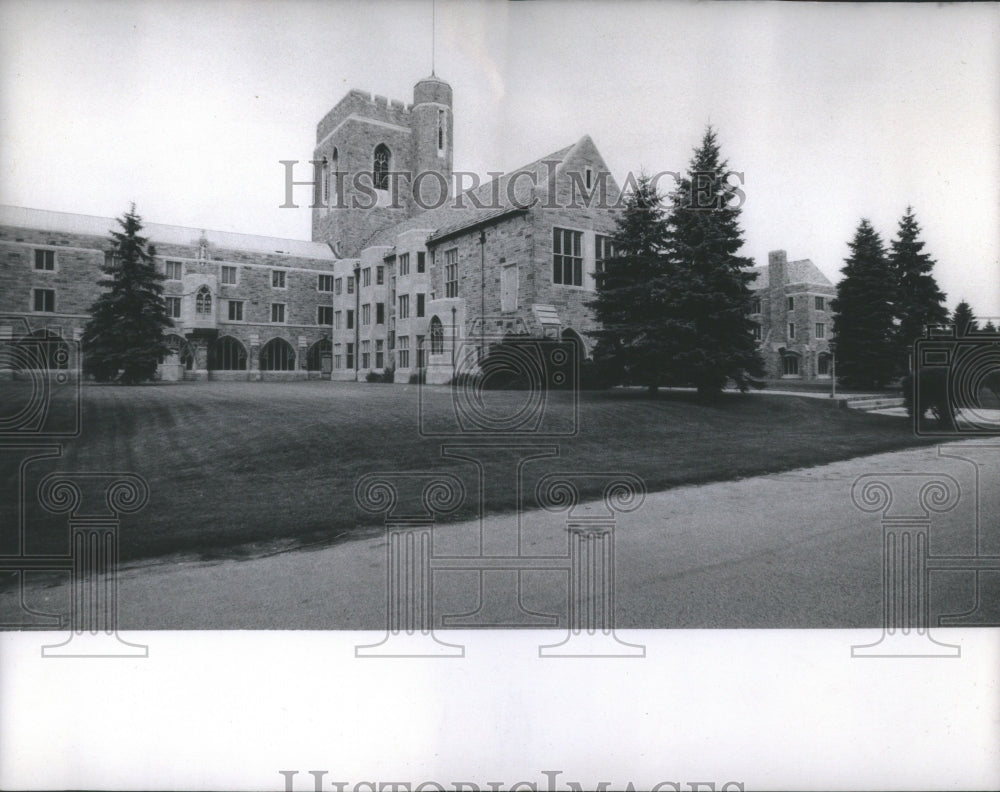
(380, 167)
(203, 301)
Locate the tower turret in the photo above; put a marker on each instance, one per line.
(432, 124)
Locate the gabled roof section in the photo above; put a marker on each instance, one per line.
(801, 271)
(158, 233)
(514, 191)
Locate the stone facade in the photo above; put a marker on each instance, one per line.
(792, 310)
(400, 273)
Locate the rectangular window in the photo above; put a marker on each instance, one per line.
(379, 313)
(278, 313)
(366, 314)
(567, 257)
(277, 279)
(174, 307)
(421, 352)
(350, 284)
(338, 358)
(421, 261)
(404, 264)
(420, 303)
(379, 354)
(366, 354)
(350, 320)
(349, 357)
(236, 310)
(755, 305)
(379, 275)
(338, 286)
(603, 250)
(229, 276)
(451, 273)
(791, 303)
(820, 330)
(791, 330)
(508, 288)
(403, 351)
(337, 319)
(174, 270)
(324, 283)
(757, 332)
(324, 314)
(45, 300)
(45, 260)
(820, 303)
(366, 276)
(404, 306)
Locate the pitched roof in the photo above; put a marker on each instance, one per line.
(801, 271)
(69, 223)
(485, 202)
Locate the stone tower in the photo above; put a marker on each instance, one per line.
(380, 162)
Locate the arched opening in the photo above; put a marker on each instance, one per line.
(277, 355)
(43, 349)
(380, 167)
(183, 350)
(437, 336)
(317, 352)
(570, 335)
(823, 365)
(203, 301)
(228, 354)
(789, 365)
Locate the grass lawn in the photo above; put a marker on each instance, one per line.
(240, 468)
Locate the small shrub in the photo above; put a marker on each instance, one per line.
(418, 377)
(933, 396)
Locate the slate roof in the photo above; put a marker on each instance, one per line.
(492, 194)
(801, 271)
(69, 223)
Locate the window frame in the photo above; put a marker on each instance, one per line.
(48, 259)
(170, 264)
(404, 306)
(173, 300)
(281, 306)
(564, 260)
(283, 279)
(235, 273)
(322, 310)
(451, 269)
(238, 306)
(323, 278)
(48, 295)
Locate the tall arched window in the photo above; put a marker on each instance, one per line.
(203, 301)
(183, 350)
(277, 355)
(319, 350)
(323, 186)
(228, 354)
(790, 365)
(380, 167)
(437, 337)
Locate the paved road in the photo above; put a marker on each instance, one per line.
(788, 550)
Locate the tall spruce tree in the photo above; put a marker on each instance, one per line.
(963, 319)
(863, 313)
(919, 301)
(631, 292)
(124, 336)
(707, 310)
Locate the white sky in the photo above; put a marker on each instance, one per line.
(833, 111)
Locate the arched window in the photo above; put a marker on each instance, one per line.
(319, 350)
(203, 301)
(437, 337)
(277, 355)
(323, 183)
(823, 365)
(183, 350)
(790, 365)
(380, 167)
(228, 354)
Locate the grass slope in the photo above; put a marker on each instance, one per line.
(236, 468)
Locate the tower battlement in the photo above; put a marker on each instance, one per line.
(367, 105)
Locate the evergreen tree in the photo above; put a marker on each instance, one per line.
(124, 335)
(707, 309)
(863, 313)
(630, 294)
(919, 302)
(990, 327)
(963, 319)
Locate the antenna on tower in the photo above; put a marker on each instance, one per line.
(433, 9)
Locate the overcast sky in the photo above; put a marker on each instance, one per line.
(833, 111)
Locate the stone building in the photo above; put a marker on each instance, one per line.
(794, 321)
(401, 272)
